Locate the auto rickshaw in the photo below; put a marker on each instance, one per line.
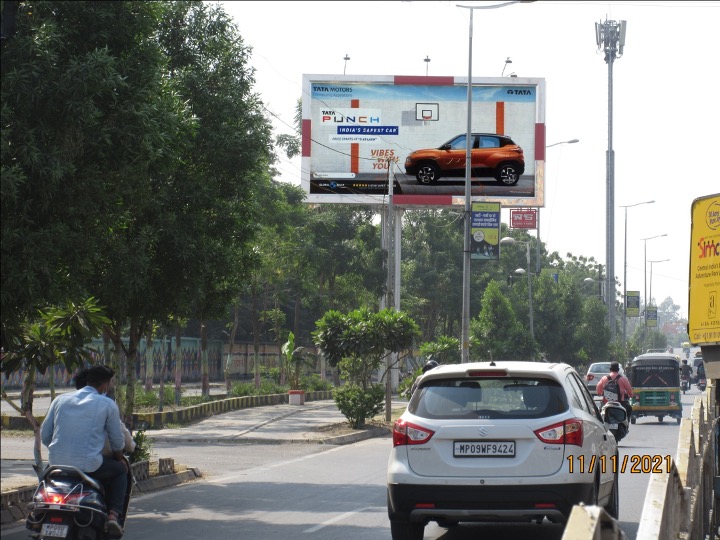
(655, 379)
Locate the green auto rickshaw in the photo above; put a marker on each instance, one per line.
(655, 379)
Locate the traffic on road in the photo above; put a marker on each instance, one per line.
(336, 491)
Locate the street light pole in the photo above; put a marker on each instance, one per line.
(651, 272)
(509, 240)
(645, 299)
(537, 247)
(465, 330)
(624, 337)
(610, 37)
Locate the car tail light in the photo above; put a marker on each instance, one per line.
(489, 373)
(405, 433)
(590, 377)
(566, 432)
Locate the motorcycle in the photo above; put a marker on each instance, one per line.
(615, 417)
(702, 384)
(70, 504)
(684, 383)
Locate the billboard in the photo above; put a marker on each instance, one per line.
(360, 132)
(525, 218)
(632, 303)
(704, 297)
(485, 231)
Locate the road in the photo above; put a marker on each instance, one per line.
(331, 492)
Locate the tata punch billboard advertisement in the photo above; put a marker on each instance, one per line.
(360, 132)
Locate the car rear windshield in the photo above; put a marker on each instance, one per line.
(600, 368)
(489, 398)
(655, 376)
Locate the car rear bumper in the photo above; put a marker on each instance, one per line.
(422, 503)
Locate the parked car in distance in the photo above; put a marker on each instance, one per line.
(498, 441)
(492, 155)
(596, 372)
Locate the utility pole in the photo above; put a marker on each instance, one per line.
(610, 38)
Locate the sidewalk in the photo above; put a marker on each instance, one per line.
(272, 424)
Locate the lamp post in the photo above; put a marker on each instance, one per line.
(509, 240)
(347, 57)
(427, 64)
(624, 337)
(645, 300)
(507, 61)
(465, 330)
(651, 270)
(610, 37)
(537, 248)
(600, 282)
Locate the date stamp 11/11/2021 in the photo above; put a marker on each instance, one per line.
(634, 464)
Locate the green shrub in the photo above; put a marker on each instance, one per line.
(242, 389)
(142, 448)
(313, 383)
(357, 405)
(271, 387)
(145, 398)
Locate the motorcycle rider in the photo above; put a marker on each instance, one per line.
(430, 364)
(81, 382)
(686, 370)
(626, 391)
(74, 430)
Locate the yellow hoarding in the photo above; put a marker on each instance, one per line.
(704, 297)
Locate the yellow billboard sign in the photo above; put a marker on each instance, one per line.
(704, 297)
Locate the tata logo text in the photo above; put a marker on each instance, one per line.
(341, 89)
(519, 92)
(708, 248)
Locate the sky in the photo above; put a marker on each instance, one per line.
(665, 103)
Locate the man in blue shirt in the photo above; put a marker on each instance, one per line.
(74, 431)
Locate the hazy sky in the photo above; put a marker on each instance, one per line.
(665, 102)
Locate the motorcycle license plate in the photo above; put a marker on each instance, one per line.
(613, 426)
(54, 531)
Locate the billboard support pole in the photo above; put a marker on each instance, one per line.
(392, 236)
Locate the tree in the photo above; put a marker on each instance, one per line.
(58, 334)
(86, 115)
(432, 270)
(358, 342)
(593, 333)
(495, 333)
(227, 166)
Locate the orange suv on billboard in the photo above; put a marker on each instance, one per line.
(492, 155)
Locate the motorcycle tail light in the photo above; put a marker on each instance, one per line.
(57, 497)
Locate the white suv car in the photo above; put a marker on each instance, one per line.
(498, 441)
